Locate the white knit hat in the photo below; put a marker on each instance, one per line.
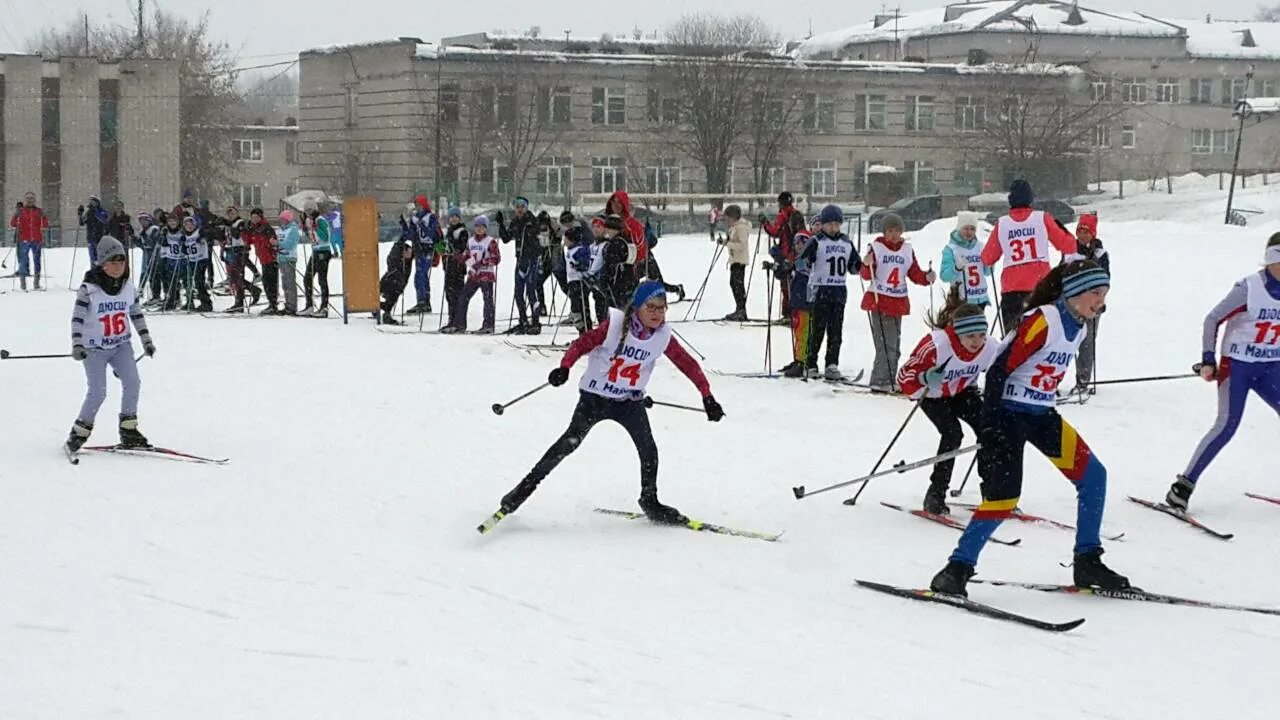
(967, 219)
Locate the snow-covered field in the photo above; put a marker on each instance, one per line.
(332, 569)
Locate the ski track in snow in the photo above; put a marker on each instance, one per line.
(332, 569)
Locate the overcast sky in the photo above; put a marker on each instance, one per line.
(283, 27)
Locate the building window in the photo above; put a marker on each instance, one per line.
(1201, 91)
(246, 150)
(1264, 88)
(450, 104)
(608, 174)
(921, 173)
(291, 152)
(1129, 136)
(50, 112)
(776, 180)
(663, 177)
(1232, 90)
(555, 176)
(864, 177)
(1101, 89)
(1205, 141)
(819, 114)
(971, 177)
(507, 105)
(869, 112)
(554, 105)
(661, 109)
(485, 99)
(971, 114)
(822, 178)
(504, 180)
(1168, 90)
(291, 188)
(352, 107)
(1134, 90)
(250, 195)
(608, 106)
(1102, 136)
(920, 113)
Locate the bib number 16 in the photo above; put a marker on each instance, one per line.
(113, 324)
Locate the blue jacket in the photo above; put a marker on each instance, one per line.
(948, 271)
(835, 294)
(289, 237)
(428, 230)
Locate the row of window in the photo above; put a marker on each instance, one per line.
(1204, 141)
(249, 195)
(553, 176)
(1169, 90)
(251, 151)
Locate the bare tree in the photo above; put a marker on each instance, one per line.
(525, 131)
(708, 78)
(269, 99)
(771, 124)
(206, 82)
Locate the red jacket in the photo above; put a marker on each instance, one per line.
(780, 229)
(31, 223)
(1023, 278)
(633, 227)
(678, 356)
(924, 358)
(261, 237)
(900, 307)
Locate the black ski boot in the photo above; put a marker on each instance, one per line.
(794, 370)
(739, 315)
(237, 308)
(1088, 571)
(1179, 494)
(79, 435)
(935, 499)
(388, 319)
(659, 513)
(514, 499)
(518, 329)
(129, 435)
(680, 293)
(533, 329)
(255, 294)
(952, 579)
(426, 306)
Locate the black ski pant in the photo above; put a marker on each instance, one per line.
(578, 304)
(318, 268)
(271, 283)
(1011, 308)
(737, 284)
(593, 409)
(825, 319)
(455, 278)
(946, 414)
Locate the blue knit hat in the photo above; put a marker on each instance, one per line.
(1085, 280)
(831, 213)
(454, 212)
(480, 221)
(970, 324)
(646, 291)
(1020, 194)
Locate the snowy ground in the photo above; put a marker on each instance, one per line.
(332, 570)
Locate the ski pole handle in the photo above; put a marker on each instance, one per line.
(6, 355)
(499, 408)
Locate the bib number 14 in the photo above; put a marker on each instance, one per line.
(620, 369)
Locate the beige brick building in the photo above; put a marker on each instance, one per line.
(74, 127)
(463, 119)
(265, 165)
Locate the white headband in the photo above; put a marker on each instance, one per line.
(1273, 255)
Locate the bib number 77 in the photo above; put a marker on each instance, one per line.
(620, 369)
(1263, 329)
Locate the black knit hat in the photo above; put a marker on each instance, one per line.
(613, 222)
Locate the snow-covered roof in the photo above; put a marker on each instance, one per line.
(1045, 16)
(1231, 39)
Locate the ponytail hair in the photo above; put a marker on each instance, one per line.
(626, 328)
(948, 310)
(1049, 289)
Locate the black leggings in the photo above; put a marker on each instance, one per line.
(825, 319)
(318, 269)
(737, 285)
(592, 409)
(946, 414)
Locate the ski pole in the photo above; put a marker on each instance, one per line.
(697, 298)
(650, 402)
(689, 344)
(900, 467)
(5, 263)
(754, 254)
(965, 481)
(499, 408)
(6, 355)
(1153, 378)
(914, 407)
(768, 328)
(135, 362)
(75, 247)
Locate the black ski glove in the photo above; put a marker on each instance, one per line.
(714, 411)
(149, 348)
(79, 353)
(558, 377)
(763, 218)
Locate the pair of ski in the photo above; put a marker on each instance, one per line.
(853, 382)
(696, 525)
(1192, 521)
(995, 613)
(151, 451)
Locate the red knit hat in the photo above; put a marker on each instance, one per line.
(1088, 222)
(423, 202)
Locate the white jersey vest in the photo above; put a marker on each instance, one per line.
(959, 374)
(1035, 382)
(1025, 242)
(107, 323)
(597, 258)
(478, 250)
(571, 273)
(889, 275)
(831, 262)
(194, 248)
(973, 283)
(623, 376)
(171, 246)
(1254, 335)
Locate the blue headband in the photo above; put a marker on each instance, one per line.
(647, 291)
(970, 324)
(1083, 282)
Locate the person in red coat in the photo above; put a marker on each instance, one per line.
(889, 263)
(262, 238)
(31, 223)
(781, 231)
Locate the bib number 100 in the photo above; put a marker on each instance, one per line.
(113, 324)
